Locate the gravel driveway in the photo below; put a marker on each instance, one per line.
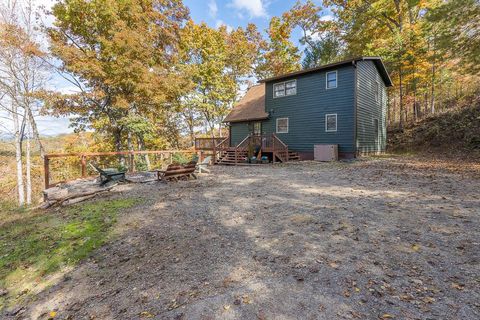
(385, 238)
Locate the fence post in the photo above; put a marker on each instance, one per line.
(46, 170)
(84, 166)
(131, 162)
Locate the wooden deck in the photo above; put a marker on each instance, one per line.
(224, 153)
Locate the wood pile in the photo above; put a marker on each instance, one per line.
(73, 192)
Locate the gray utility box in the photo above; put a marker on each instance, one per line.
(325, 152)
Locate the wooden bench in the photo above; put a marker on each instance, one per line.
(177, 171)
(107, 175)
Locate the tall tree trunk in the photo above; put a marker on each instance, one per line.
(141, 146)
(28, 176)
(18, 156)
(400, 76)
(432, 94)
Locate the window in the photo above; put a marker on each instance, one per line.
(331, 78)
(257, 128)
(283, 89)
(278, 90)
(375, 128)
(282, 125)
(331, 122)
(377, 92)
(290, 88)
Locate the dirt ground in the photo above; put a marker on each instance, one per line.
(385, 238)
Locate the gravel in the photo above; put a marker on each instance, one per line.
(384, 238)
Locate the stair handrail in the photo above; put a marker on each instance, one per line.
(283, 147)
(221, 143)
(247, 139)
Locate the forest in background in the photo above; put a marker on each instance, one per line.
(148, 77)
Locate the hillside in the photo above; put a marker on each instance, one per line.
(453, 132)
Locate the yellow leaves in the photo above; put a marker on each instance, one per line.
(415, 247)
(52, 314)
(386, 316)
(226, 307)
(146, 314)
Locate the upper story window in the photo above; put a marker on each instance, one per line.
(287, 88)
(331, 78)
(331, 122)
(282, 125)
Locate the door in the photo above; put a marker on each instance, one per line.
(256, 128)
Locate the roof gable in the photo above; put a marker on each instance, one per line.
(250, 107)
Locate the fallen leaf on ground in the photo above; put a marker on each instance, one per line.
(387, 316)
(246, 299)
(457, 286)
(146, 314)
(415, 247)
(226, 307)
(52, 314)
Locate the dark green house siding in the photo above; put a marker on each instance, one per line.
(239, 130)
(307, 109)
(368, 109)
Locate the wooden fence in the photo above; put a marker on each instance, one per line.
(83, 157)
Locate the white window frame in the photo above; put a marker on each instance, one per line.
(376, 91)
(336, 80)
(284, 89)
(326, 122)
(276, 125)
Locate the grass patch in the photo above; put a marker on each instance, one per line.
(37, 246)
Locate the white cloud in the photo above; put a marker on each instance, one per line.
(212, 8)
(327, 17)
(255, 8)
(220, 23)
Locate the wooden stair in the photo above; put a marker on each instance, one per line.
(228, 157)
(293, 156)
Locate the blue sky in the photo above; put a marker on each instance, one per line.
(232, 13)
(238, 13)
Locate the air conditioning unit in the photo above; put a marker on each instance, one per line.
(325, 152)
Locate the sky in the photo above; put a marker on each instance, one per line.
(232, 13)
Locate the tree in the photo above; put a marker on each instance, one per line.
(281, 55)
(456, 27)
(218, 62)
(22, 75)
(326, 50)
(122, 56)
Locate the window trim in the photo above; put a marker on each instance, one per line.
(326, 122)
(284, 88)
(336, 79)
(276, 125)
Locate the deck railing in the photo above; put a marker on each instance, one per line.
(265, 142)
(208, 144)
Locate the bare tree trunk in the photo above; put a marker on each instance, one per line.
(18, 156)
(432, 94)
(28, 176)
(141, 146)
(400, 76)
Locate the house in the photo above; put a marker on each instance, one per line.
(342, 103)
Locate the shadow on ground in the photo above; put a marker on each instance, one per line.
(362, 240)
